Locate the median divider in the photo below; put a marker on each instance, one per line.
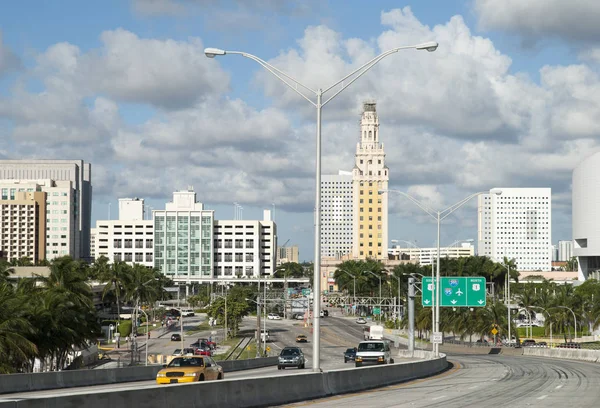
(572, 354)
(13, 383)
(247, 392)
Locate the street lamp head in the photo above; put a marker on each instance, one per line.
(496, 191)
(429, 46)
(213, 52)
(381, 191)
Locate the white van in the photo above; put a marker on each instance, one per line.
(188, 312)
(264, 336)
(373, 351)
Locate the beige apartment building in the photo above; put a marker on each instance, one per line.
(23, 225)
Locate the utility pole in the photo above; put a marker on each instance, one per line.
(258, 325)
(411, 315)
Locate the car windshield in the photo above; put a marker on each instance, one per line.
(186, 362)
(350, 351)
(370, 347)
(290, 352)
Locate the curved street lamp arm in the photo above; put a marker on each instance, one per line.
(279, 74)
(360, 72)
(456, 206)
(366, 67)
(417, 203)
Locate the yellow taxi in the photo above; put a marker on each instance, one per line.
(301, 338)
(185, 369)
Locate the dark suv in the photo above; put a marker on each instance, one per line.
(349, 354)
(291, 357)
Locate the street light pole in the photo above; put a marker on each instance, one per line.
(379, 277)
(354, 293)
(439, 216)
(295, 85)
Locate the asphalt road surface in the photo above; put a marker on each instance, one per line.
(487, 381)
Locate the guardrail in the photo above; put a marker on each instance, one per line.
(248, 392)
(572, 354)
(13, 383)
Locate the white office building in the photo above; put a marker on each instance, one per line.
(586, 217)
(245, 247)
(336, 215)
(93, 232)
(428, 256)
(517, 224)
(565, 250)
(61, 222)
(129, 239)
(183, 234)
(78, 174)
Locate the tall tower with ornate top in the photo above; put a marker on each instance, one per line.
(369, 176)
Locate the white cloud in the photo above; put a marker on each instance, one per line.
(571, 20)
(453, 122)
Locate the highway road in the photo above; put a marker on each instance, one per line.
(486, 380)
(337, 335)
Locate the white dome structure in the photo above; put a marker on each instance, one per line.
(586, 217)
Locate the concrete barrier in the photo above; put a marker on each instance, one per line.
(245, 393)
(13, 383)
(572, 354)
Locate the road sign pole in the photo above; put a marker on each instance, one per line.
(411, 315)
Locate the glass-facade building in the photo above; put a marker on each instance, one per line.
(183, 237)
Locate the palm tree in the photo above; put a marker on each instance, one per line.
(116, 278)
(15, 348)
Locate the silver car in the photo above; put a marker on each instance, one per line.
(291, 357)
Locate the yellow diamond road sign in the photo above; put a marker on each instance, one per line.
(494, 331)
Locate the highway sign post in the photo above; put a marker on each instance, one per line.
(456, 291)
(437, 338)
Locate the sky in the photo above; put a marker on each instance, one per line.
(511, 98)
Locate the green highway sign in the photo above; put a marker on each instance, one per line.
(456, 291)
(376, 311)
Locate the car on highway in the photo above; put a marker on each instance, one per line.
(299, 316)
(569, 344)
(528, 343)
(291, 357)
(373, 351)
(301, 338)
(273, 316)
(203, 351)
(204, 343)
(350, 354)
(187, 369)
(175, 337)
(361, 320)
(324, 313)
(188, 312)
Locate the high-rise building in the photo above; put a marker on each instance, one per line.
(79, 174)
(93, 233)
(586, 217)
(287, 254)
(554, 253)
(183, 237)
(369, 176)
(130, 238)
(517, 224)
(336, 215)
(60, 224)
(565, 250)
(245, 247)
(23, 226)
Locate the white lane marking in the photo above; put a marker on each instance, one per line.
(542, 397)
(473, 387)
(558, 387)
(437, 398)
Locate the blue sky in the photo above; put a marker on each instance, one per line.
(509, 99)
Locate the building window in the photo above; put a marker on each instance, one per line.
(118, 258)
(228, 243)
(139, 243)
(149, 243)
(239, 257)
(249, 270)
(228, 270)
(249, 243)
(149, 257)
(128, 243)
(117, 243)
(228, 257)
(139, 257)
(239, 243)
(250, 257)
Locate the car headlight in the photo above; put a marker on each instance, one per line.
(161, 375)
(358, 358)
(191, 374)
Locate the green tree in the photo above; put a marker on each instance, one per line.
(116, 277)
